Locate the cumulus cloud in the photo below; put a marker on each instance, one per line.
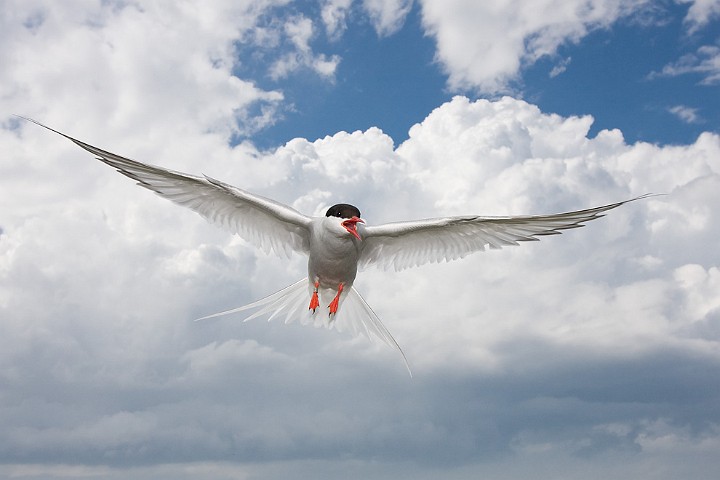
(527, 323)
(138, 59)
(598, 344)
(484, 45)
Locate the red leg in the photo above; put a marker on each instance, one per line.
(314, 301)
(334, 304)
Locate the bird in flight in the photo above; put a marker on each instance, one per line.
(338, 243)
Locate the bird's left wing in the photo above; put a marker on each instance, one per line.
(266, 223)
(403, 245)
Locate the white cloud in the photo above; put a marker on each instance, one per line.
(560, 67)
(597, 347)
(387, 16)
(104, 285)
(484, 45)
(300, 30)
(700, 13)
(686, 114)
(334, 16)
(131, 60)
(705, 62)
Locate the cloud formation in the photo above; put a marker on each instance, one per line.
(594, 350)
(483, 46)
(705, 62)
(334, 16)
(133, 59)
(686, 114)
(119, 287)
(700, 13)
(299, 31)
(387, 16)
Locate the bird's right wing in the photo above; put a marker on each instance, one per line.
(266, 223)
(403, 245)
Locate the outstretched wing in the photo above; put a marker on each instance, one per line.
(403, 245)
(265, 223)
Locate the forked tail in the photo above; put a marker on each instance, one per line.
(291, 303)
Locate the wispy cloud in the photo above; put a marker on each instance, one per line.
(686, 114)
(297, 32)
(705, 62)
(560, 67)
(387, 16)
(334, 15)
(700, 13)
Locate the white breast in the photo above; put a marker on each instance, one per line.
(334, 253)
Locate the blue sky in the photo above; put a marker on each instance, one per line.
(593, 354)
(390, 82)
(610, 76)
(393, 80)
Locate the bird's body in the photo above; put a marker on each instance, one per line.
(334, 255)
(338, 243)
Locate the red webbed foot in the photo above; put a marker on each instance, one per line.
(336, 301)
(314, 301)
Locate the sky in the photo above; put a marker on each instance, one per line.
(594, 354)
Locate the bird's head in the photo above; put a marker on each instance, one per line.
(349, 215)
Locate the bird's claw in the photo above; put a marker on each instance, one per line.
(335, 301)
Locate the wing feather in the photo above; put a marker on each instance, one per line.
(266, 223)
(402, 245)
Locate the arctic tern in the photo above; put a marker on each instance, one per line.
(338, 243)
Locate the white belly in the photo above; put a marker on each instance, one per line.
(333, 259)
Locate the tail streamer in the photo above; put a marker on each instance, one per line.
(291, 303)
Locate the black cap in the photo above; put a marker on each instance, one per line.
(343, 210)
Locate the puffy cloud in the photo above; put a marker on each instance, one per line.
(484, 45)
(596, 346)
(99, 291)
(128, 60)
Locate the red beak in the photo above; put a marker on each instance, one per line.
(351, 226)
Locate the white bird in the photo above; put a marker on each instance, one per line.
(338, 243)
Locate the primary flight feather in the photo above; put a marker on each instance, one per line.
(338, 243)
